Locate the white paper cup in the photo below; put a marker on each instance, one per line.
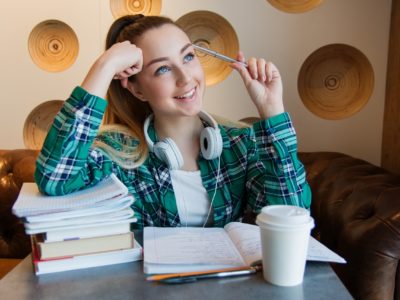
(285, 231)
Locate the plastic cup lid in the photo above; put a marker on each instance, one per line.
(284, 215)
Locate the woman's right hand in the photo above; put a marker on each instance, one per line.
(120, 61)
(128, 60)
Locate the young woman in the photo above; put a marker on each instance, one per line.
(182, 168)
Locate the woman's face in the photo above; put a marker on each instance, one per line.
(172, 79)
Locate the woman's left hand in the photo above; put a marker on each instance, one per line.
(263, 83)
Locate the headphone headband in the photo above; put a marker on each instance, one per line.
(202, 114)
(209, 119)
(146, 124)
(167, 151)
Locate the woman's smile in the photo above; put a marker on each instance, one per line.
(188, 96)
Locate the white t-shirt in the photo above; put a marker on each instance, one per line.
(192, 199)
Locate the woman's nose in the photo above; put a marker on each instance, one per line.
(183, 77)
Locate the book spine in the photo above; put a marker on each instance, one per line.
(84, 246)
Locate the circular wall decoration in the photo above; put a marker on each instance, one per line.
(121, 8)
(295, 6)
(212, 31)
(38, 123)
(53, 45)
(335, 81)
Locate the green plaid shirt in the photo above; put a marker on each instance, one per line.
(258, 167)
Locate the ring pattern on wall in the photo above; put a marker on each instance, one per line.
(38, 123)
(295, 6)
(121, 8)
(53, 45)
(212, 31)
(335, 81)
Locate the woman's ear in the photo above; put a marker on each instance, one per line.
(133, 87)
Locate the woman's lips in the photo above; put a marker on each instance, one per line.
(188, 96)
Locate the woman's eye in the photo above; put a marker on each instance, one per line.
(188, 57)
(162, 70)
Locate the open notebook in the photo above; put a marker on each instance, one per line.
(175, 250)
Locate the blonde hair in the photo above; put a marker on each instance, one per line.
(127, 155)
(125, 113)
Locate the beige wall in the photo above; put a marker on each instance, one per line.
(286, 39)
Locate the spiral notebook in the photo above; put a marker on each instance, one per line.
(31, 202)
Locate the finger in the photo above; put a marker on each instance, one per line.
(269, 69)
(261, 69)
(240, 57)
(241, 69)
(252, 67)
(124, 82)
(132, 70)
(119, 76)
(243, 72)
(136, 69)
(126, 73)
(129, 71)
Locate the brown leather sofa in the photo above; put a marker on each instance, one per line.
(356, 207)
(16, 167)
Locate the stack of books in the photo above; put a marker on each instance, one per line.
(88, 228)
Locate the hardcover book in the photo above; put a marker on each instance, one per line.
(46, 250)
(86, 261)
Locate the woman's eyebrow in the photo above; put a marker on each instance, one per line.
(166, 58)
(185, 47)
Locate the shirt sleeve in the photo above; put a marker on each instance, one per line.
(275, 174)
(67, 162)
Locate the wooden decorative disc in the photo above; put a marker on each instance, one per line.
(295, 6)
(38, 123)
(121, 8)
(210, 30)
(53, 46)
(335, 81)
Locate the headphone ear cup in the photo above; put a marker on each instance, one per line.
(167, 151)
(210, 143)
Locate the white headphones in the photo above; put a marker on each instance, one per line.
(167, 151)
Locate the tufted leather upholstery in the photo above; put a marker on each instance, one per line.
(356, 207)
(16, 167)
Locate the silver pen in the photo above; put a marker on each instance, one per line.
(194, 276)
(218, 55)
